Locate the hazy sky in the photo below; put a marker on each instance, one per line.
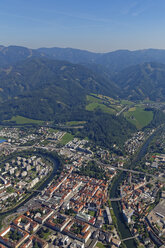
(96, 25)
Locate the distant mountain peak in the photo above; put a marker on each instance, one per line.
(112, 61)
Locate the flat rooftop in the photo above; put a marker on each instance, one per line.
(160, 208)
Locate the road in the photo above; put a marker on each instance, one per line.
(121, 111)
(127, 170)
(133, 171)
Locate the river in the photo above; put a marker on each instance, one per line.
(114, 191)
(123, 229)
(55, 163)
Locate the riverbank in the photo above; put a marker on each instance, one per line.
(56, 165)
(122, 226)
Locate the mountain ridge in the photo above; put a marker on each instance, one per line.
(33, 75)
(40, 87)
(60, 85)
(113, 61)
(143, 81)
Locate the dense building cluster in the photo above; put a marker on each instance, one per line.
(19, 175)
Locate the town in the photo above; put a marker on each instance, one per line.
(74, 209)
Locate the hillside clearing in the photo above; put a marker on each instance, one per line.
(139, 116)
(24, 120)
(94, 103)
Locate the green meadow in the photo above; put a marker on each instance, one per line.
(23, 120)
(139, 116)
(94, 103)
(66, 138)
(75, 123)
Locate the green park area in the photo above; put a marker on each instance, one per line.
(92, 213)
(66, 138)
(100, 245)
(44, 233)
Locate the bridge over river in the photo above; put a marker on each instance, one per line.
(129, 238)
(127, 170)
(116, 199)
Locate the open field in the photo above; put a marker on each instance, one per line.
(52, 130)
(106, 98)
(94, 106)
(94, 103)
(139, 117)
(66, 138)
(23, 120)
(75, 123)
(126, 102)
(136, 114)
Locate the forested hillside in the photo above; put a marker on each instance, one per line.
(44, 88)
(34, 84)
(145, 81)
